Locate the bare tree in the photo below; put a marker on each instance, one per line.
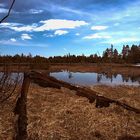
(9, 11)
(8, 83)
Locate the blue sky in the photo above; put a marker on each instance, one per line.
(59, 27)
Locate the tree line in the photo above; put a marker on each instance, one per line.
(128, 54)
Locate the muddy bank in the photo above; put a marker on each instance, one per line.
(60, 114)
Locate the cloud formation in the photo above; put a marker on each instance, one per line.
(3, 10)
(60, 32)
(123, 40)
(28, 28)
(99, 28)
(13, 39)
(35, 11)
(55, 24)
(77, 34)
(47, 25)
(26, 37)
(97, 36)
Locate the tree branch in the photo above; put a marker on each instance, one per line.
(8, 12)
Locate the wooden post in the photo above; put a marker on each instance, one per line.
(21, 110)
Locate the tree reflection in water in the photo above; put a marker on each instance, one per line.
(70, 75)
(125, 78)
(92, 78)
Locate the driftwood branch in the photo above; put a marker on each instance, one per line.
(9, 11)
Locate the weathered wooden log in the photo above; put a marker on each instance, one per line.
(101, 101)
(21, 110)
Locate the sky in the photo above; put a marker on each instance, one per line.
(58, 27)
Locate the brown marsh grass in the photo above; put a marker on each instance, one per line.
(61, 115)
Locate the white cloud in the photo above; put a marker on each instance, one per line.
(123, 40)
(47, 25)
(27, 28)
(99, 28)
(49, 35)
(18, 27)
(5, 24)
(35, 11)
(97, 36)
(26, 37)
(77, 34)
(74, 11)
(8, 25)
(57, 33)
(3, 10)
(9, 42)
(56, 24)
(60, 32)
(13, 39)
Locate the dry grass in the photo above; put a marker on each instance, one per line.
(126, 94)
(7, 119)
(61, 115)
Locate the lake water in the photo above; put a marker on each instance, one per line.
(84, 79)
(91, 78)
(11, 77)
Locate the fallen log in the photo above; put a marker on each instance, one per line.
(101, 101)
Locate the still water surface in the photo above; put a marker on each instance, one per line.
(91, 78)
(84, 79)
